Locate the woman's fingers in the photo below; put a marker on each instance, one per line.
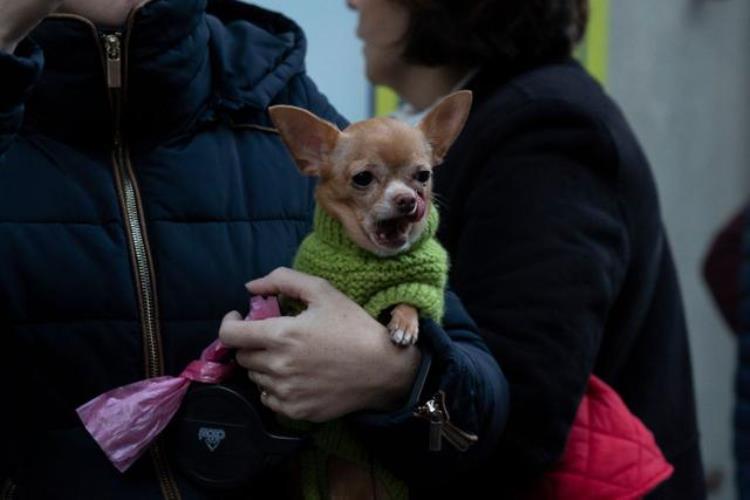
(272, 402)
(262, 380)
(292, 284)
(275, 395)
(238, 333)
(261, 361)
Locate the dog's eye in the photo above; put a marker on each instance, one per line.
(423, 176)
(363, 179)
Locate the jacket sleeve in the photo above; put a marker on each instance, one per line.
(541, 254)
(13, 417)
(722, 267)
(457, 363)
(19, 72)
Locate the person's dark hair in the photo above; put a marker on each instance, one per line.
(492, 32)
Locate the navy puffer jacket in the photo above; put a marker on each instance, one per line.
(141, 185)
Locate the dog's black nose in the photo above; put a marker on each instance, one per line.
(406, 204)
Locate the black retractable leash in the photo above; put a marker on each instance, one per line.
(223, 438)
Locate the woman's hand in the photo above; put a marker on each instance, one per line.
(19, 17)
(331, 360)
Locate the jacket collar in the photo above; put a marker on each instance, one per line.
(183, 65)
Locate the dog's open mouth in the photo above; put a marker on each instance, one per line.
(394, 233)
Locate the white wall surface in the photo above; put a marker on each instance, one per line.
(680, 69)
(334, 54)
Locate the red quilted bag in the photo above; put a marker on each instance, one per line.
(610, 454)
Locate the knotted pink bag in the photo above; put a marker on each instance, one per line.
(126, 420)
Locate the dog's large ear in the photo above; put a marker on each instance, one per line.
(310, 139)
(442, 125)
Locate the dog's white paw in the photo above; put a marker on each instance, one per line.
(404, 336)
(404, 325)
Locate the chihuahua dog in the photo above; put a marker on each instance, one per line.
(375, 221)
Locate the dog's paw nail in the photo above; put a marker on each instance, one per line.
(397, 336)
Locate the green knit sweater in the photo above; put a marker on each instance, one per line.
(417, 277)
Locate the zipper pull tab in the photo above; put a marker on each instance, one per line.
(436, 411)
(431, 411)
(436, 432)
(113, 51)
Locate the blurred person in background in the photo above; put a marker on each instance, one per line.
(551, 218)
(727, 272)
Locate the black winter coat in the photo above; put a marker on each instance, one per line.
(558, 250)
(134, 207)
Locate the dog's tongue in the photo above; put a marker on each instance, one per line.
(420, 211)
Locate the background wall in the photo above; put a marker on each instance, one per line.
(680, 69)
(334, 54)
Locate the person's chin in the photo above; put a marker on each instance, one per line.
(377, 72)
(111, 14)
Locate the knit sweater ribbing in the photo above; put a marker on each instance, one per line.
(416, 277)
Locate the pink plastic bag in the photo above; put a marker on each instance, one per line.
(126, 420)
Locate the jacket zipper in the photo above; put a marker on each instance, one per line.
(8, 491)
(142, 261)
(113, 58)
(436, 412)
(143, 267)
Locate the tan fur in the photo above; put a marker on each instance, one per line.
(394, 153)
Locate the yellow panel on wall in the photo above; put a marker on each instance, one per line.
(386, 101)
(593, 53)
